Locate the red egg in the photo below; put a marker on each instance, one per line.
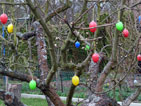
(125, 33)
(139, 57)
(95, 57)
(3, 18)
(92, 24)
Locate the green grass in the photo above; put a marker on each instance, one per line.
(35, 102)
(31, 102)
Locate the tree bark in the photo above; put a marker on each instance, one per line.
(94, 69)
(100, 101)
(131, 98)
(49, 101)
(103, 76)
(10, 99)
(93, 99)
(53, 96)
(42, 57)
(15, 89)
(42, 53)
(26, 35)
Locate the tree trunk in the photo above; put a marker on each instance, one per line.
(42, 53)
(51, 96)
(93, 99)
(94, 69)
(49, 101)
(10, 99)
(15, 89)
(54, 97)
(100, 101)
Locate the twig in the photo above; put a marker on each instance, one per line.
(104, 25)
(9, 3)
(75, 22)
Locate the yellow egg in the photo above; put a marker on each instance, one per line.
(10, 28)
(107, 84)
(75, 80)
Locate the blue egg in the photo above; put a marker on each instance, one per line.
(77, 44)
(139, 19)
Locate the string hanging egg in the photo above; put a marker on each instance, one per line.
(77, 44)
(75, 80)
(10, 28)
(95, 57)
(139, 57)
(91, 25)
(139, 19)
(125, 33)
(32, 84)
(119, 26)
(87, 47)
(3, 18)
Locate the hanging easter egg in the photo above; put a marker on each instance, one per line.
(125, 33)
(10, 28)
(139, 19)
(87, 47)
(77, 44)
(3, 18)
(95, 57)
(92, 24)
(32, 84)
(139, 57)
(135, 81)
(107, 84)
(75, 80)
(119, 26)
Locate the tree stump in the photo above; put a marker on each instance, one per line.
(15, 89)
(11, 100)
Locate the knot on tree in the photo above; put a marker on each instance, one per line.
(9, 97)
(35, 25)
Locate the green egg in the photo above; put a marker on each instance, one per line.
(119, 26)
(32, 84)
(87, 47)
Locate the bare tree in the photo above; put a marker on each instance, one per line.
(72, 18)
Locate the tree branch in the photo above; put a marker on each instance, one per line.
(25, 36)
(83, 12)
(17, 75)
(79, 68)
(59, 10)
(81, 15)
(64, 48)
(103, 75)
(131, 98)
(104, 25)
(38, 16)
(10, 3)
(112, 61)
(42, 53)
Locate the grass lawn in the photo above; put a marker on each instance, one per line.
(31, 102)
